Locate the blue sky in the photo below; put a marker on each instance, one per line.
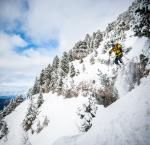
(32, 32)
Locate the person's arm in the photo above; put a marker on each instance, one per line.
(110, 51)
(120, 47)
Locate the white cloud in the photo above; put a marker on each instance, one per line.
(11, 12)
(19, 70)
(70, 20)
(8, 42)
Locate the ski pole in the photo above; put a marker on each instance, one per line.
(126, 58)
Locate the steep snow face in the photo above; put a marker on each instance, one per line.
(60, 112)
(14, 122)
(126, 74)
(62, 119)
(125, 122)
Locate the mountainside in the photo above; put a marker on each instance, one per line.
(84, 98)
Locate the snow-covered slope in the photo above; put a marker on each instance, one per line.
(14, 120)
(124, 122)
(60, 112)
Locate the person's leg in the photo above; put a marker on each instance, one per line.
(116, 61)
(120, 59)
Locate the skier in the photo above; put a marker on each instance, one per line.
(117, 49)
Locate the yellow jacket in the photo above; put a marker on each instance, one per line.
(117, 50)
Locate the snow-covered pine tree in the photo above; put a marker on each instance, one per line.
(107, 92)
(47, 73)
(19, 99)
(39, 127)
(46, 121)
(60, 82)
(25, 139)
(10, 107)
(3, 129)
(97, 39)
(95, 53)
(54, 80)
(36, 87)
(77, 72)
(87, 113)
(88, 40)
(40, 100)
(83, 67)
(65, 63)
(72, 70)
(92, 60)
(30, 116)
(41, 79)
(142, 23)
(91, 45)
(90, 49)
(70, 55)
(56, 62)
(47, 78)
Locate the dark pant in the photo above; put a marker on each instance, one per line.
(118, 58)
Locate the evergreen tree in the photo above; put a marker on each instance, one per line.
(39, 127)
(3, 129)
(40, 100)
(46, 121)
(97, 39)
(11, 106)
(41, 79)
(88, 40)
(92, 60)
(36, 87)
(47, 78)
(54, 79)
(91, 45)
(60, 83)
(19, 99)
(87, 113)
(71, 58)
(95, 52)
(56, 62)
(83, 68)
(30, 116)
(142, 23)
(65, 63)
(77, 72)
(72, 70)
(47, 73)
(25, 139)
